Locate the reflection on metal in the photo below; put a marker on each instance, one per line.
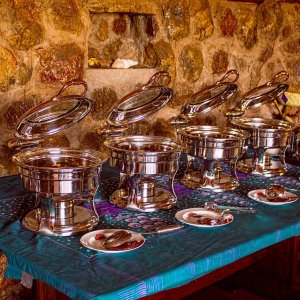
(140, 159)
(260, 95)
(60, 177)
(266, 146)
(138, 105)
(208, 98)
(212, 154)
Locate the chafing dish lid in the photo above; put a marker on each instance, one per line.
(53, 116)
(211, 97)
(141, 103)
(261, 94)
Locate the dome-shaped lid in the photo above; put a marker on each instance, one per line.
(210, 97)
(55, 115)
(141, 103)
(261, 94)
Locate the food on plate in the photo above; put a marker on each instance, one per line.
(117, 239)
(262, 197)
(210, 220)
(126, 245)
(100, 236)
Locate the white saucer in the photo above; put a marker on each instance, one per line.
(89, 241)
(255, 195)
(185, 216)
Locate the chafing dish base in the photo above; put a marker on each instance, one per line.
(219, 183)
(267, 166)
(160, 200)
(211, 177)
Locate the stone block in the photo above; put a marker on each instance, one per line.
(228, 24)
(177, 19)
(103, 99)
(220, 62)
(270, 18)
(8, 68)
(61, 63)
(191, 62)
(247, 27)
(25, 34)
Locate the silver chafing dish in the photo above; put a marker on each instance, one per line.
(268, 138)
(216, 148)
(141, 158)
(210, 150)
(267, 145)
(59, 176)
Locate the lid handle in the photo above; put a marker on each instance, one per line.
(280, 77)
(71, 83)
(161, 78)
(15, 144)
(234, 78)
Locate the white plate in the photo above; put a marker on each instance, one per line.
(263, 199)
(185, 216)
(88, 240)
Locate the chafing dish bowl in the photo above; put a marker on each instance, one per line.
(139, 158)
(143, 155)
(59, 176)
(265, 132)
(268, 142)
(59, 170)
(215, 147)
(212, 142)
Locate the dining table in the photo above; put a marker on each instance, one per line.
(166, 260)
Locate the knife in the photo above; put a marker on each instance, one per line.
(166, 229)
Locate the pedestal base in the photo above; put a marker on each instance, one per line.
(274, 168)
(40, 222)
(194, 180)
(161, 200)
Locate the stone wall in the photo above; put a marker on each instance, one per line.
(44, 44)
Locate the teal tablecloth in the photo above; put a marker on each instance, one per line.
(164, 262)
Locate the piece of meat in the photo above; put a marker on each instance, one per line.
(116, 239)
